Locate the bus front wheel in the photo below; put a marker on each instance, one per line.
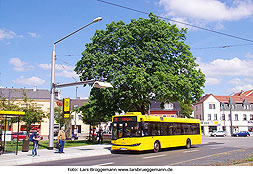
(188, 143)
(156, 146)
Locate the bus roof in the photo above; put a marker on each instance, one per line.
(158, 118)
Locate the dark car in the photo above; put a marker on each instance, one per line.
(241, 134)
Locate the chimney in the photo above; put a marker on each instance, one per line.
(34, 88)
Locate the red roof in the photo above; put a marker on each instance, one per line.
(225, 99)
(244, 93)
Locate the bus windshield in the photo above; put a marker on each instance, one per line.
(124, 130)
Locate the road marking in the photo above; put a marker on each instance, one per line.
(188, 151)
(217, 148)
(148, 157)
(104, 164)
(200, 157)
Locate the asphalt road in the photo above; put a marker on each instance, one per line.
(212, 152)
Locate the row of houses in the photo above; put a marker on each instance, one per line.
(225, 113)
(42, 99)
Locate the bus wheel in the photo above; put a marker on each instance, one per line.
(188, 144)
(156, 146)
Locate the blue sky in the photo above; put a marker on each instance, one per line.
(28, 29)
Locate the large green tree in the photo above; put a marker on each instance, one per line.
(98, 109)
(145, 60)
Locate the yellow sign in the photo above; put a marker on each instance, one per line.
(216, 122)
(133, 113)
(66, 105)
(12, 113)
(66, 115)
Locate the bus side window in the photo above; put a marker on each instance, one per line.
(154, 130)
(145, 129)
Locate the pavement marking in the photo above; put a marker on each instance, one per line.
(201, 157)
(148, 157)
(104, 164)
(204, 143)
(217, 148)
(190, 151)
(241, 146)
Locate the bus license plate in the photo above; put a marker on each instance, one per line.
(123, 149)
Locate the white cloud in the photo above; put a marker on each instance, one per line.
(208, 10)
(58, 67)
(20, 65)
(230, 67)
(212, 81)
(244, 84)
(62, 70)
(33, 35)
(67, 74)
(8, 34)
(35, 81)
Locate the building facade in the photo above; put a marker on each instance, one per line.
(214, 113)
(169, 110)
(42, 99)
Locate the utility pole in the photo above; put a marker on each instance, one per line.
(230, 108)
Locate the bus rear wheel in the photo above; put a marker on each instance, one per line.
(156, 146)
(188, 144)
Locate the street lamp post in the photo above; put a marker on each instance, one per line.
(52, 90)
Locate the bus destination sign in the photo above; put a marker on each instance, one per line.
(124, 119)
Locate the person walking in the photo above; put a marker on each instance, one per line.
(61, 139)
(35, 140)
(100, 135)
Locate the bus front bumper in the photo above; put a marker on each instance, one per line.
(132, 147)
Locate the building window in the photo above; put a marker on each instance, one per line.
(222, 106)
(209, 116)
(215, 117)
(229, 116)
(251, 117)
(196, 108)
(244, 117)
(223, 117)
(236, 117)
(211, 106)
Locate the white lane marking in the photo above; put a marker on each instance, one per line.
(217, 148)
(104, 164)
(190, 151)
(148, 157)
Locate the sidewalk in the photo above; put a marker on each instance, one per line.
(11, 159)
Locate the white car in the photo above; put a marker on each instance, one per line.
(218, 133)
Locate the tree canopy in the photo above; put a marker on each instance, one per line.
(144, 60)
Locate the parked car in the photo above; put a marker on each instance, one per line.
(20, 136)
(218, 133)
(241, 134)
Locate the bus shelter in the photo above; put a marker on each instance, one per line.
(5, 115)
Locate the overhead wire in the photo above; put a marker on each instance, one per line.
(223, 46)
(65, 68)
(191, 25)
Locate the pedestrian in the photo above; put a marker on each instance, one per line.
(100, 135)
(35, 139)
(61, 139)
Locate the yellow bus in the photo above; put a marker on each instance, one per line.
(137, 132)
